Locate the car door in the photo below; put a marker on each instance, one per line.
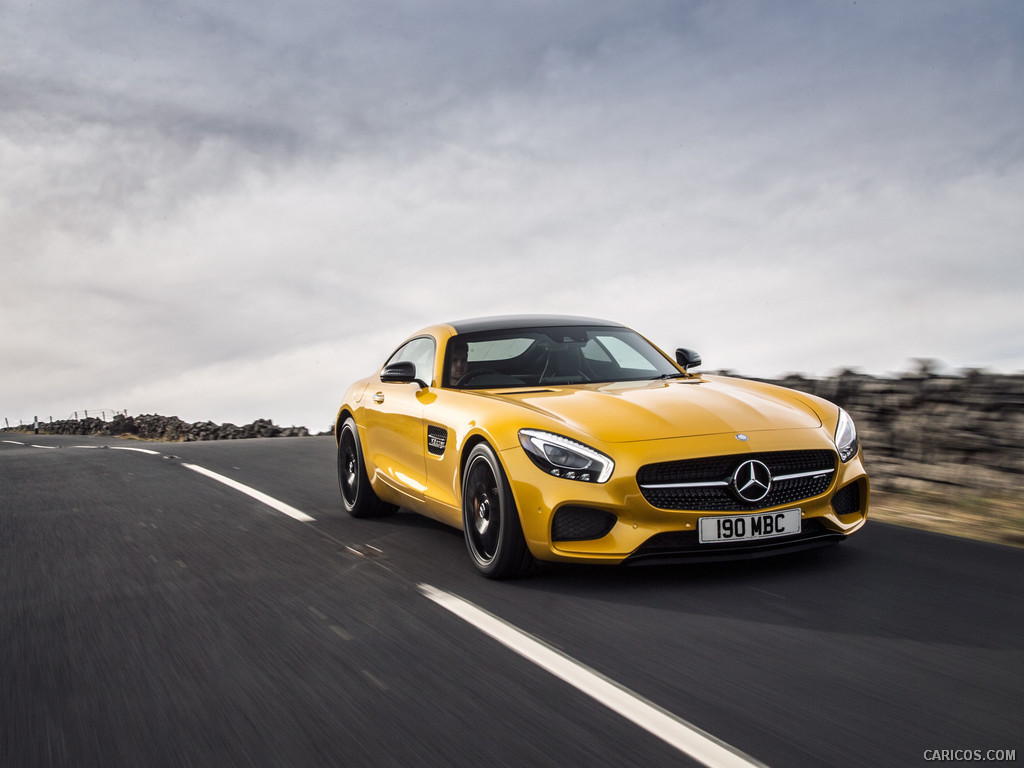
(394, 436)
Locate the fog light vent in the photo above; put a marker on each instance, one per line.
(847, 500)
(581, 524)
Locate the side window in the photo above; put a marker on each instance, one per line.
(421, 352)
(501, 349)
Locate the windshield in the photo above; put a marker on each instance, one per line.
(526, 357)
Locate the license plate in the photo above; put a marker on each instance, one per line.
(764, 525)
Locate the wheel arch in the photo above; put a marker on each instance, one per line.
(343, 414)
(467, 448)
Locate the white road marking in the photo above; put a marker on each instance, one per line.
(95, 447)
(687, 738)
(376, 681)
(270, 501)
(340, 632)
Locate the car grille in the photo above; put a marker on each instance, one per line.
(705, 484)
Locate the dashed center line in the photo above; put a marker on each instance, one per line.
(270, 501)
(137, 450)
(263, 498)
(340, 632)
(376, 681)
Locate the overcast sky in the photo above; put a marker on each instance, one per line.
(228, 210)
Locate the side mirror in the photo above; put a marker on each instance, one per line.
(687, 358)
(399, 373)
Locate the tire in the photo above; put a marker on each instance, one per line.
(357, 496)
(490, 521)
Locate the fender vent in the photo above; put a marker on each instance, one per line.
(437, 439)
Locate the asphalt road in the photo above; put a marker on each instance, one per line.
(152, 616)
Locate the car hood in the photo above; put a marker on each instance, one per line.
(657, 410)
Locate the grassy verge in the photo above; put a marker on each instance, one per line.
(998, 519)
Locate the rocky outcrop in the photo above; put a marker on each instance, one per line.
(927, 432)
(169, 428)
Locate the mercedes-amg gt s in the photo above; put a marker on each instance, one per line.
(577, 440)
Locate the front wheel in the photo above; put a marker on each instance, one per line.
(490, 521)
(356, 493)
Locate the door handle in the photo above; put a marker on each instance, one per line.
(378, 398)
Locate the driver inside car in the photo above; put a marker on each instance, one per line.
(458, 365)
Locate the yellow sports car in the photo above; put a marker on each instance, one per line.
(574, 439)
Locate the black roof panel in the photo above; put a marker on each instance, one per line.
(472, 325)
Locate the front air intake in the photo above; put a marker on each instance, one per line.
(581, 524)
(847, 500)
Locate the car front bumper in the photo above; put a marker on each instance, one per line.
(641, 532)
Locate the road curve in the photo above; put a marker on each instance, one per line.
(155, 615)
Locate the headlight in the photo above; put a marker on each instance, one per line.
(562, 457)
(846, 437)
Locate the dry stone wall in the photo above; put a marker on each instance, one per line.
(929, 432)
(170, 428)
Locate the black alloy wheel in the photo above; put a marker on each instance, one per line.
(356, 494)
(494, 535)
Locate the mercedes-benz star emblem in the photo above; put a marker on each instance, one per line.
(752, 481)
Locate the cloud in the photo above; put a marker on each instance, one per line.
(242, 207)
